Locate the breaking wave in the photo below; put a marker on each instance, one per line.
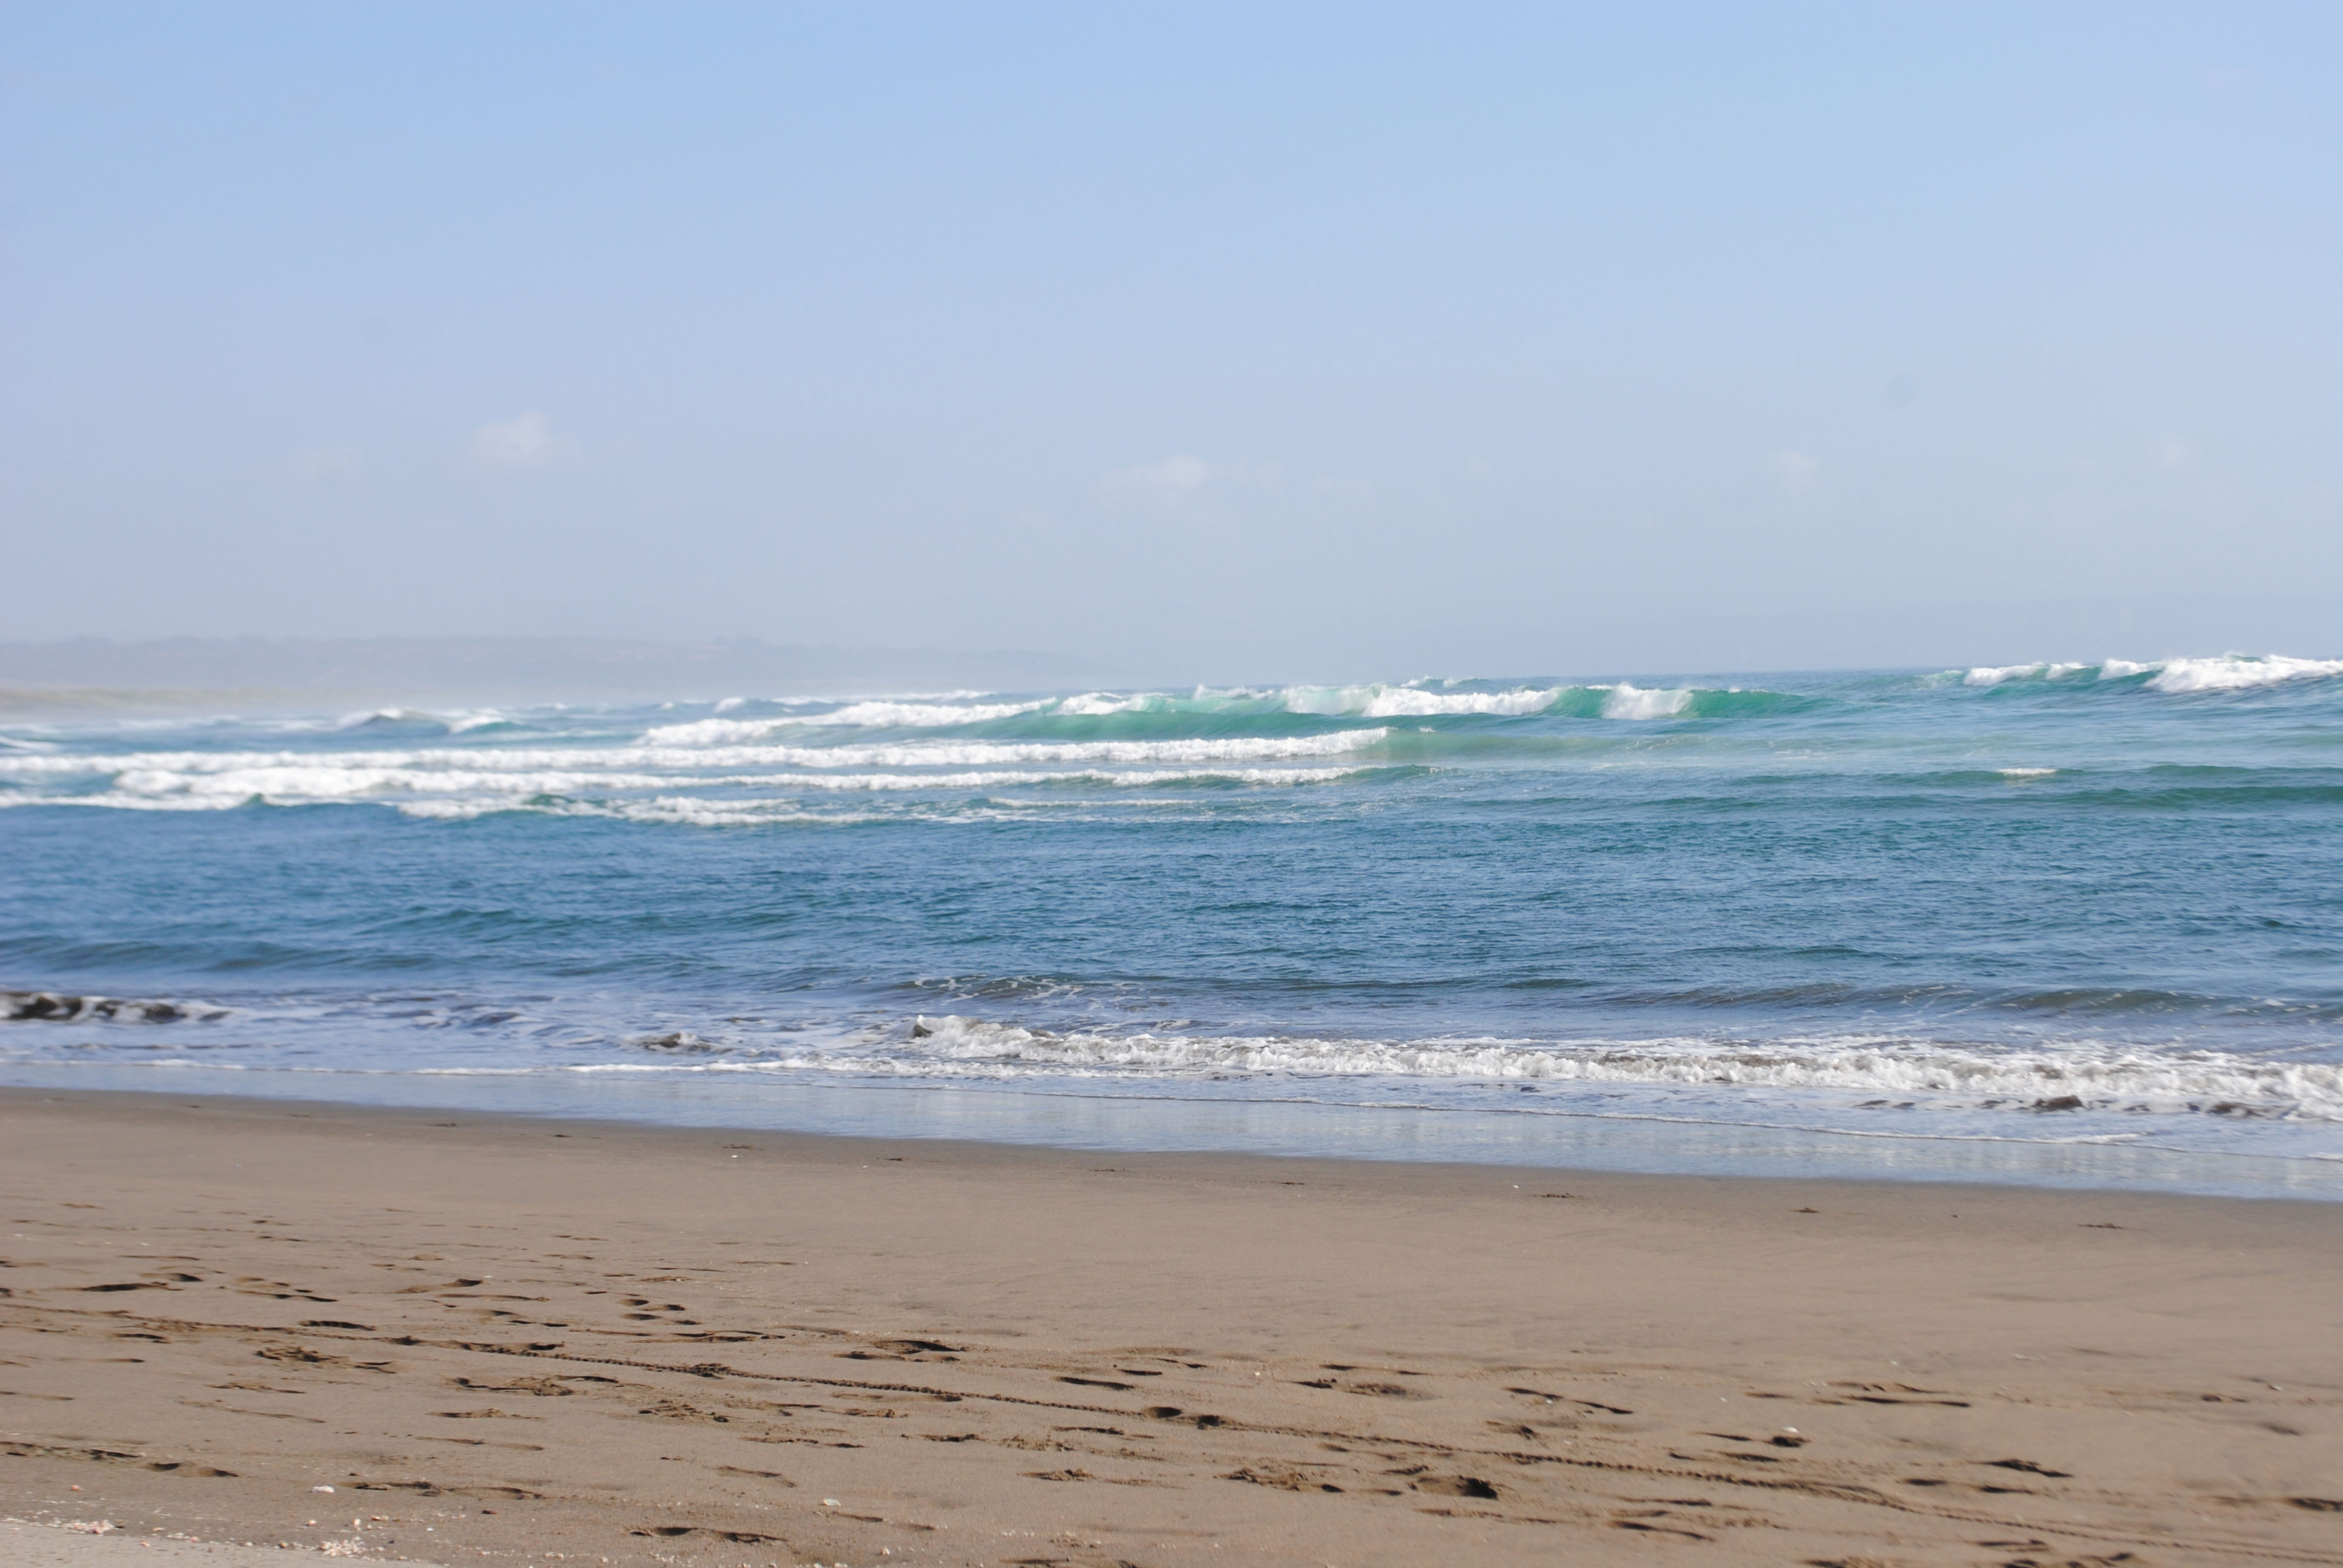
(1622, 700)
(454, 782)
(2228, 672)
(1415, 699)
(2082, 1082)
(2072, 1078)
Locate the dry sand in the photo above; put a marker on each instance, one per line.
(608, 1343)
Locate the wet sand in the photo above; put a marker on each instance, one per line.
(575, 1340)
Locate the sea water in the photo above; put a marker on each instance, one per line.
(2057, 922)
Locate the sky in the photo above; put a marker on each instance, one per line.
(1194, 341)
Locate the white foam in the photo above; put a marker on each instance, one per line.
(2234, 672)
(994, 780)
(1627, 701)
(463, 723)
(734, 704)
(449, 784)
(679, 809)
(1230, 749)
(2228, 672)
(644, 766)
(922, 715)
(1098, 704)
(2126, 1077)
(1622, 700)
(888, 714)
(1414, 702)
(1991, 675)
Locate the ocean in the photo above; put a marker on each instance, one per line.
(2050, 922)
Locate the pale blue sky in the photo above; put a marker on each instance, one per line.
(1202, 341)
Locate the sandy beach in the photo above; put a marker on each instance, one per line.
(416, 1335)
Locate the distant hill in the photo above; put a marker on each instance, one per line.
(511, 669)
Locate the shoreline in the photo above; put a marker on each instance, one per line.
(1254, 1164)
(529, 1339)
(1103, 1123)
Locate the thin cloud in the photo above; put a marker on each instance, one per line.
(1794, 469)
(523, 442)
(1178, 476)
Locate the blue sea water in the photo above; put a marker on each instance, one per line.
(2068, 921)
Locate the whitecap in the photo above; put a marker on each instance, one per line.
(1996, 675)
(2226, 672)
(235, 776)
(2198, 1081)
(1414, 702)
(872, 715)
(1627, 701)
(2235, 672)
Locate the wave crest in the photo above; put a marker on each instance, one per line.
(1372, 700)
(2197, 1081)
(2226, 672)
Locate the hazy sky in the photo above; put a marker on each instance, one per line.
(1223, 341)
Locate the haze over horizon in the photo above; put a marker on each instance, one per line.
(284, 673)
(1205, 343)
